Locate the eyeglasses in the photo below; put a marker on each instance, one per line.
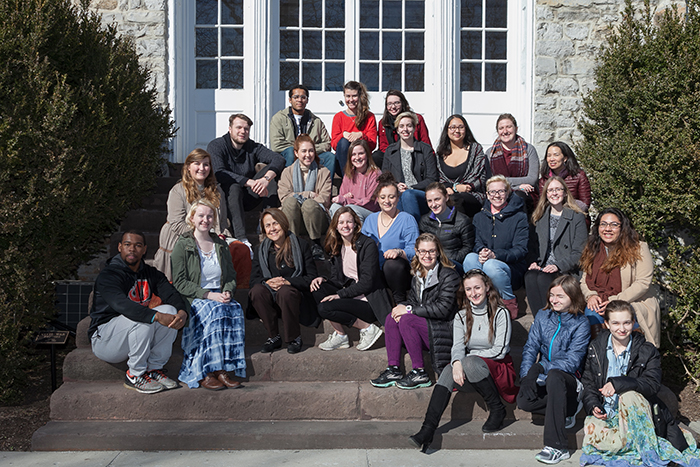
(300, 97)
(393, 104)
(496, 192)
(551, 191)
(456, 128)
(426, 252)
(612, 225)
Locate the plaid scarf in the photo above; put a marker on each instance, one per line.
(516, 165)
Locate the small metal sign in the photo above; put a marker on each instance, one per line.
(51, 338)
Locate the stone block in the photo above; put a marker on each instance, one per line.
(578, 14)
(543, 137)
(545, 120)
(565, 86)
(545, 103)
(549, 31)
(135, 4)
(314, 364)
(570, 104)
(145, 16)
(543, 13)
(151, 47)
(557, 49)
(105, 5)
(576, 31)
(567, 134)
(578, 66)
(545, 66)
(158, 5)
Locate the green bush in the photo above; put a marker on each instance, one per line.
(81, 140)
(641, 148)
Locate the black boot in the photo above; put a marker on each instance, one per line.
(497, 412)
(437, 405)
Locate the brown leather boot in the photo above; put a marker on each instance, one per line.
(212, 383)
(228, 382)
(512, 305)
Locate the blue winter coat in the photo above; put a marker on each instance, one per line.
(561, 341)
(506, 233)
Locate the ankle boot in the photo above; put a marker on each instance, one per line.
(497, 411)
(512, 306)
(437, 405)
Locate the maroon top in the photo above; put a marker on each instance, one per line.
(578, 185)
(421, 134)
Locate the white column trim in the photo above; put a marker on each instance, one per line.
(261, 70)
(445, 47)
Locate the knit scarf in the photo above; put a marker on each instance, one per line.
(263, 256)
(605, 284)
(516, 166)
(297, 180)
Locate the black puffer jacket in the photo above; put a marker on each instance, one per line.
(438, 305)
(456, 234)
(643, 371)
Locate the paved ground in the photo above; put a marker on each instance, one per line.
(335, 458)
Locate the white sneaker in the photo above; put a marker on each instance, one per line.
(369, 336)
(550, 455)
(335, 341)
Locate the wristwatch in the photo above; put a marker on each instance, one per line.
(267, 177)
(409, 309)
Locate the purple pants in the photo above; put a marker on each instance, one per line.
(412, 332)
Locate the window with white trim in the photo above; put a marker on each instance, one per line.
(483, 45)
(219, 44)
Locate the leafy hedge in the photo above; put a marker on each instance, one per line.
(641, 148)
(81, 140)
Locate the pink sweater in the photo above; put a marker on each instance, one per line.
(362, 190)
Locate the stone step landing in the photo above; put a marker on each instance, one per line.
(216, 435)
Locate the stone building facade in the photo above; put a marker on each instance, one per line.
(561, 41)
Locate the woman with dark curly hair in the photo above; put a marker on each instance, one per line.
(462, 165)
(617, 265)
(561, 161)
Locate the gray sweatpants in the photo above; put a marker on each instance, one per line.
(475, 369)
(146, 347)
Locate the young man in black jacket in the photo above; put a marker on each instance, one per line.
(136, 314)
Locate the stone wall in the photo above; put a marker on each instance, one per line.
(145, 22)
(568, 39)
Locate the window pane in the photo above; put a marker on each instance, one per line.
(311, 45)
(391, 76)
(289, 13)
(414, 77)
(414, 46)
(391, 15)
(335, 13)
(496, 14)
(391, 46)
(470, 77)
(289, 75)
(335, 45)
(232, 42)
(470, 45)
(312, 13)
(311, 76)
(495, 77)
(369, 46)
(207, 74)
(289, 44)
(369, 75)
(231, 11)
(415, 14)
(369, 14)
(232, 74)
(206, 11)
(335, 76)
(471, 14)
(206, 42)
(496, 45)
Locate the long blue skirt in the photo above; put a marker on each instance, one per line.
(213, 341)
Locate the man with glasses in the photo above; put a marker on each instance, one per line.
(296, 120)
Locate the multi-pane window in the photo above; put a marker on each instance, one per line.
(312, 44)
(219, 44)
(392, 44)
(483, 45)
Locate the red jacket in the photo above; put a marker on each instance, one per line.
(421, 134)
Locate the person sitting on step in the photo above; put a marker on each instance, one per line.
(480, 358)
(424, 320)
(135, 316)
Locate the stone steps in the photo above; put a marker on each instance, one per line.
(262, 435)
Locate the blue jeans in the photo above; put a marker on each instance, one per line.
(458, 267)
(327, 159)
(593, 317)
(498, 271)
(413, 202)
(341, 155)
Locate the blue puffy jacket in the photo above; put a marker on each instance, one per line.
(561, 341)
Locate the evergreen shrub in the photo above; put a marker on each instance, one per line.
(81, 140)
(641, 149)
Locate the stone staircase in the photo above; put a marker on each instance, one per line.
(310, 400)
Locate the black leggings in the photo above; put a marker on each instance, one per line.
(536, 286)
(397, 274)
(342, 310)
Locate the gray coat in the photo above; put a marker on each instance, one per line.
(569, 239)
